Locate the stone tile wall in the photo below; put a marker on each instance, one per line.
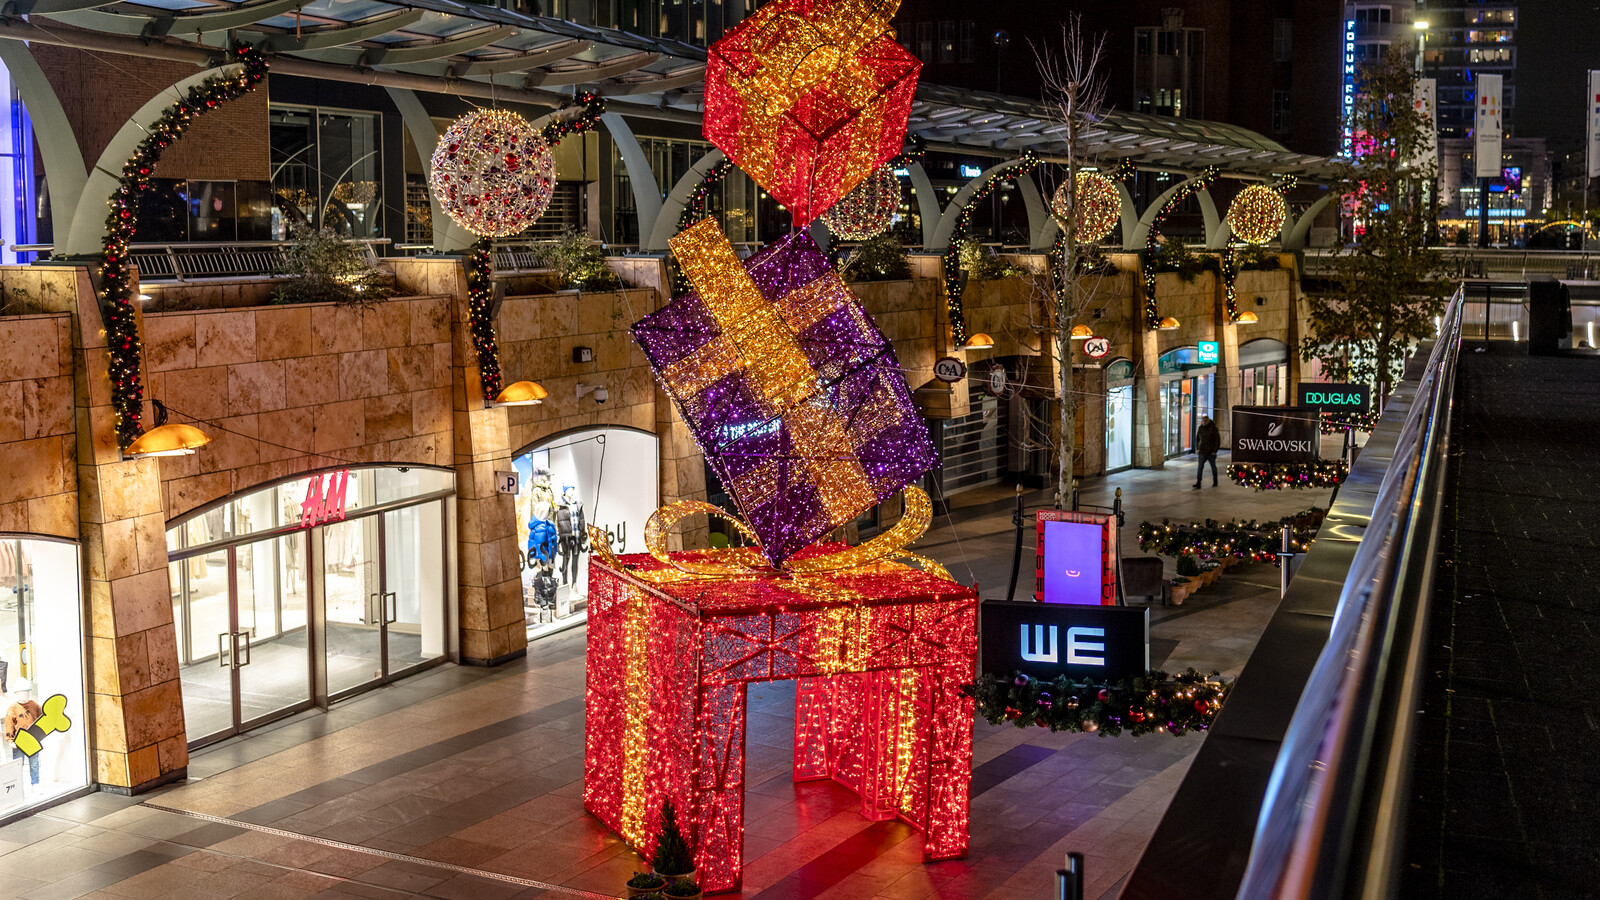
(39, 480)
(289, 389)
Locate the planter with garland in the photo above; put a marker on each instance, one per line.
(1147, 704)
(1323, 473)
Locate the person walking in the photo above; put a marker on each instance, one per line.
(1208, 440)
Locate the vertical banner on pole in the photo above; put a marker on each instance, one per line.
(1425, 102)
(1594, 123)
(1487, 128)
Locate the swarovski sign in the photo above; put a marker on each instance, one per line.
(1275, 434)
(1047, 640)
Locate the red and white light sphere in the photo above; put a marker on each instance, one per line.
(1099, 206)
(1257, 214)
(868, 210)
(493, 173)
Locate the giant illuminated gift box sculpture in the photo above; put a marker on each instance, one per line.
(791, 391)
(808, 97)
(880, 652)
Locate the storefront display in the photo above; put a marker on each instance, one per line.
(373, 544)
(600, 476)
(1187, 392)
(1119, 415)
(1264, 373)
(45, 754)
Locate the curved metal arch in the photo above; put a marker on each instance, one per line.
(87, 234)
(947, 221)
(927, 201)
(667, 82)
(448, 236)
(1294, 237)
(678, 198)
(158, 26)
(598, 72)
(1216, 227)
(46, 7)
(518, 63)
(646, 192)
(394, 56)
(1141, 230)
(340, 35)
(64, 170)
(1041, 224)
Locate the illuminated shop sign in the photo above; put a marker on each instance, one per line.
(1348, 105)
(1330, 396)
(1048, 640)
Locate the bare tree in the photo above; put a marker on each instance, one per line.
(1075, 93)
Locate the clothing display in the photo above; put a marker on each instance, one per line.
(541, 541)
(544, 590)
(573, 536)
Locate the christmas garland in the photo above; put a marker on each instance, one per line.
(1230, 272)
(479, 260)
(1145, 704)
(952, 253)
(1335, 422)
(1152, 241)
(694, 211)
(116, 275)
(479, 264)
(1324, 473)
(1256, 541)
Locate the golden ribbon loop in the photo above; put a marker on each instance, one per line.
(750, 561)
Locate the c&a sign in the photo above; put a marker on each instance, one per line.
(1048, 640)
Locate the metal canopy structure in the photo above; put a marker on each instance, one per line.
(473, 48)
(974, 120)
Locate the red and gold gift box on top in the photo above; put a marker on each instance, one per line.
(879, 652)
(809, 97)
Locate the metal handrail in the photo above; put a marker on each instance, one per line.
(185, 262)
(1333, 819)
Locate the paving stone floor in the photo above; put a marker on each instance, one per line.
(1506, 793)
(466, 783)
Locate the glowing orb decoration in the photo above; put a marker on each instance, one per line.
(1099, 206)
(493, 173)
(867, 211)
(1257, 214)
(789, 388)
(809, 97)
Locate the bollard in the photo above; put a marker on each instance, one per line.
(1069, 881)
(1285, 554)
(1016, 551)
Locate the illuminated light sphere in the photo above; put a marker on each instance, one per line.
(1099, 206)
(1257, 214)
(493, 173)
(808, 97)
(867, 211)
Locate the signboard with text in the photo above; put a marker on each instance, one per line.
(949, 370)
(1333, 397)
(1075, 560)
(1208, 353)
(1048, 640)
(1275, 434)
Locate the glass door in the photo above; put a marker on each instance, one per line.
(355, 603)
(413, 586)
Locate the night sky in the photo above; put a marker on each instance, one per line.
(1557, 41)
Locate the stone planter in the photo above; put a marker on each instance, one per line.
(1177, 592)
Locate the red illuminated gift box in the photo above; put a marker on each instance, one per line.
(880, 653)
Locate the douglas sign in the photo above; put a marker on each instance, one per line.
(1332, 397)
(1275, 434)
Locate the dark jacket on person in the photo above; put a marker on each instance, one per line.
(1208, 440)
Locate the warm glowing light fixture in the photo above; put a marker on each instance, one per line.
(1167, 323)
(1247, 318)
(1082, 332)
(173, 439)
(521, 393)
(1420, 24)
(979, 341)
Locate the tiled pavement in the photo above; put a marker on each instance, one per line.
(466, 783)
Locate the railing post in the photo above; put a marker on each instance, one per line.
(1069, 881)
(172, 260)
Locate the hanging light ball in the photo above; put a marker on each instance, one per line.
(1257, 214)
(1099, 206)
(493, 173)
(868, 210)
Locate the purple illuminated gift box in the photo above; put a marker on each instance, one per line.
(795, 397)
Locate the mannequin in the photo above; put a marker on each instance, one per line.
(572, 534)
(542, 541)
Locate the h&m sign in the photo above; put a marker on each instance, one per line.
(1048, 640)
(1275, 434)
(1333, 397)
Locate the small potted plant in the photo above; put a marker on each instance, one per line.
(645, 883)
(1179, 589)
(672, 859)
(683, 890)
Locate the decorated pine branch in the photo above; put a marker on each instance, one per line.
(1257, 541)
(1146, 704)
(1322, 473)
(1335, 422)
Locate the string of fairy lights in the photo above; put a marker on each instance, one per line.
(115, 271)
(1321, 473)
(1146, 704)
(1250, 541)
(952, 253)
(1152, 240)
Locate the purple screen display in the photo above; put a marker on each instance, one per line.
(1072, 562)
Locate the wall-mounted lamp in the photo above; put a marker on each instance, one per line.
(520, 393)
(1247, 318)
(1168, 323)
(1082, 332)
(979, 341)
(174, 439)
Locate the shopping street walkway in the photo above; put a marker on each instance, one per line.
(466, 783)
(1506, 793)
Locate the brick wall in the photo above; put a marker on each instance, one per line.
(227, 143)
(288, 389)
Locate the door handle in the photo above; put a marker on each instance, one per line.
(222, 650)
(370, 617)
(246, 636)
(391, 608)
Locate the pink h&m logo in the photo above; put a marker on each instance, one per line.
(325, 496)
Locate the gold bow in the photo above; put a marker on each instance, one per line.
(746, 562)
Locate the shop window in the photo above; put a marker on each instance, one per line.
(41, 672)
(605, 477)
(326, 171)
